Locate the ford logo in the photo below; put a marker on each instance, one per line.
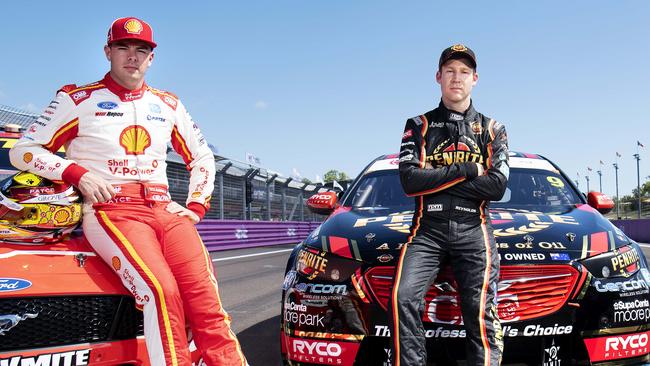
(13, 284)
(107, 105)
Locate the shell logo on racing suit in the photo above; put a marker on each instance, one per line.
(135, 140)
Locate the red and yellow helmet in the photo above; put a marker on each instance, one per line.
(34, 210)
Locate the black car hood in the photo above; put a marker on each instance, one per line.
(565, 234)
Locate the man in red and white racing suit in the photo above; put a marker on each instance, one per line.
(116, 133)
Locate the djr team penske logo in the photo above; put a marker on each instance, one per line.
(135, 140)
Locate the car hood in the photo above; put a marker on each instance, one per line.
(565, 234)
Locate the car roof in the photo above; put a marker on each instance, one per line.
(516, 160)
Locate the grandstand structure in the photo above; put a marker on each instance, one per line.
(241, 191)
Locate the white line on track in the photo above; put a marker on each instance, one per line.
(251, 255)
(644, 245)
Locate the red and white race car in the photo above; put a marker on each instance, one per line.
(60, 304)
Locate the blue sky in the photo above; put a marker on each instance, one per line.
(319, 85)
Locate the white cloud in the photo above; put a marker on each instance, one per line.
(260, 104)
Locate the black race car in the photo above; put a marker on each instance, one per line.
(573, 289)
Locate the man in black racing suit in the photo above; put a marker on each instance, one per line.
(453, 160)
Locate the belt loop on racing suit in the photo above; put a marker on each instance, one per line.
(147, 193)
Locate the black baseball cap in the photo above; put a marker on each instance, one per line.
(455, 52)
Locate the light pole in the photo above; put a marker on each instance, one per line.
(600, 180)
(587, 178)
(638, 184)
(618, 199)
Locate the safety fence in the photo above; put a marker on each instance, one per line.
(234, 234)
(630, 210)
(246, 192)
(638, 230)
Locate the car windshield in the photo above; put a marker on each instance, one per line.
(539, 188)
(527, 188)
(379, 190)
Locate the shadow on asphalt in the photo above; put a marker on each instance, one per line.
(261, 343)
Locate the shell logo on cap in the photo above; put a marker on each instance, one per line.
(133, 26)
(27, 158)
(459, 48)
(135, 140)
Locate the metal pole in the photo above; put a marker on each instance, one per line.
(587, 178)
(638, 184)
(618, 199)
(600, 180)
(220, 179)
(284, 203)
(302, 206)
(285, 185)
(301, 202)
(243, 197)
(268, 196)
(268, 202)
(222, 172)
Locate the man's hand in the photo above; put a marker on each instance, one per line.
(176, 208)
(95, 189)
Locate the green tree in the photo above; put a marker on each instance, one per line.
(306, 181)
(333, 174)
(645, 189)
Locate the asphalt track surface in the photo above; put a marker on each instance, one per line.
(250, 283)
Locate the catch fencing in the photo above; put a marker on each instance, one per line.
(247, 192)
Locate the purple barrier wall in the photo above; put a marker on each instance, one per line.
(234, 234)
(638, 230)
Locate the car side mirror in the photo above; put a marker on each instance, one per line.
(322, 203)
(600, 202)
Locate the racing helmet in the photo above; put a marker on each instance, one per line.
(35, 210)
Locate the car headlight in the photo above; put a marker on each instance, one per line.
(621, 262)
